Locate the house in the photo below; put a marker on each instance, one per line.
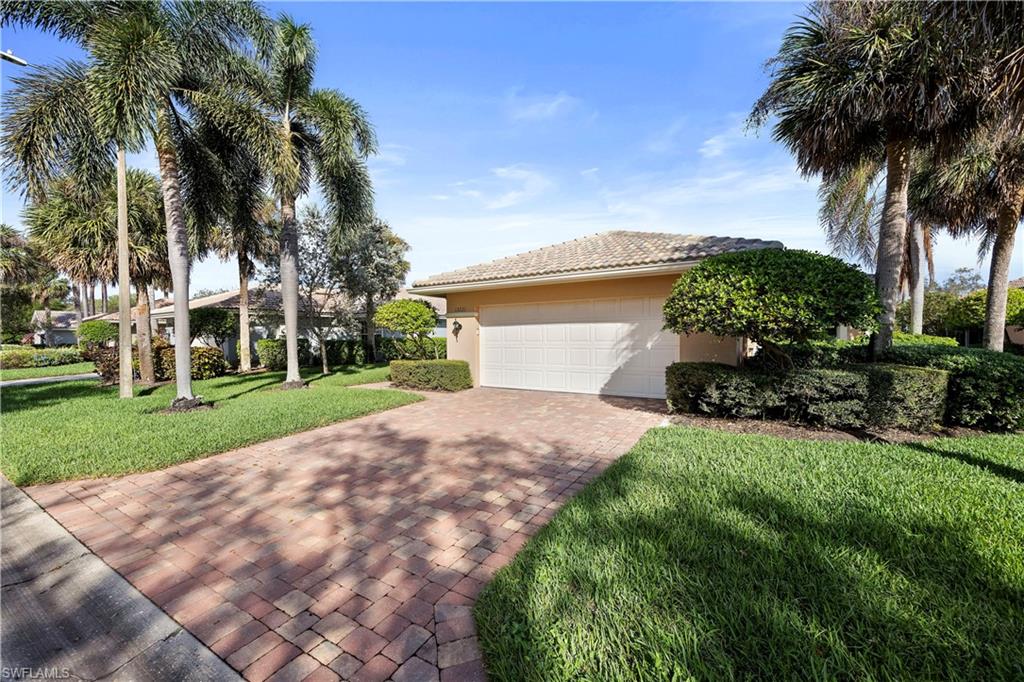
(583, 316)
(265, 316)
(62, 331)
(1014, 333)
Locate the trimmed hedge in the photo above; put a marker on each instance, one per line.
(207, 363)
(986, 388)
(905, 397)
(39, 357)
(852, 397)
(432, 375)
(273, 354)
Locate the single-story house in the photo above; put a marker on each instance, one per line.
(62, 330)
(583, 316)
(1016, 334)
(265, 316)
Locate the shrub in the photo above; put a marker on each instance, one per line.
(207, 363)
(905, 397)
(905, 339)
(425, 348)
(433, 375)
(39, 357)
(969, 311)
(96, 333)
(986, 388)
(414, 319)
(830, 397)
(345, 351)
(107, 362)
(218, 324)
(273, 354)
(772, 297)
(938, 318)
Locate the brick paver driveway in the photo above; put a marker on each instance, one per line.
(353, 551)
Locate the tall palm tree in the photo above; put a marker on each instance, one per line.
(147, 63)
(46, 288)
(852, 78)
(17, 264)
(312, 133)
(981, 192)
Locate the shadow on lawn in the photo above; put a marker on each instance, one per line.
(747, 585)
(31, 396)
(242, 530)
(968, 457)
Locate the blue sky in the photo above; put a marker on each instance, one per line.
(505, 127)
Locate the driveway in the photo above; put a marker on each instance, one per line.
(353, 551)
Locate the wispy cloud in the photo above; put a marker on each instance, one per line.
(505, 186)
(717, 145)
(539, 107)
(667, 139)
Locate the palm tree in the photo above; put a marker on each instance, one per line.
(47, 287)
(148, 63)
(853, 78)
(981, 192)
(17, 264)
(307, 132)
(250, 236)
(851, 216)
(76, 229)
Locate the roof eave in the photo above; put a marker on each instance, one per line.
(555, 278)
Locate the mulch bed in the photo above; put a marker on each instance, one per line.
(804, 432)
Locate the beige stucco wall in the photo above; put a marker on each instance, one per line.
(465, 307)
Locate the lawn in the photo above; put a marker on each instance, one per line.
(78, 429)
(706, 555)
(52, 371)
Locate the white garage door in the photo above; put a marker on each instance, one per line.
(614, 346)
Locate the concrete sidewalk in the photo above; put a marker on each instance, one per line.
(66, 614)
(49, 380)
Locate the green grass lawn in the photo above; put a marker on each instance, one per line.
(710, 556)
(54, 371)
(79, 429)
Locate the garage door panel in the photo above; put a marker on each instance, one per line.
(614, 346)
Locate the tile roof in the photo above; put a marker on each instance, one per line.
(1017, 283)
(603, 251)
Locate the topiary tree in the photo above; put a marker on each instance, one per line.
(772, 297)
(412, 318)
(96, 333)
(220, 324)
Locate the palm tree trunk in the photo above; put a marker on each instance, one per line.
(152, 320)
(90, 298)
(917, 259)
(290, 289)
(892, 234)
(370, 339)
(323, 356)
(244, 354)
(124, 312)
(177, 255)
(147, 374)
(76, 298)
(999, 273)
(104, 299)
(48, 324)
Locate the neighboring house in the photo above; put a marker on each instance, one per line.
(583, 316)
(265, 315)
(63, 330)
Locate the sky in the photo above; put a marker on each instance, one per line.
(507, 127)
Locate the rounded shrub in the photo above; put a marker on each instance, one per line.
(96, 333)
(772, 297)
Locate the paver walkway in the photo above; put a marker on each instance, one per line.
(66, 614)
(353, 551)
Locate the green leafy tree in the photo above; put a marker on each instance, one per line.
(851, 79)
(962, 282)
(375, 268)
(412, 318)
(937, 313)
(219, 324)
(95, 333)
(772, 297)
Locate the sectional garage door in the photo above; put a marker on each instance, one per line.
(614, 346)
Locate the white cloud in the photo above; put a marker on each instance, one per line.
(667, 139)
(505, 186)
(590, 172)
(522, 107)
(716, 145)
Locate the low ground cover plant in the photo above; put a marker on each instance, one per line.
(712, 556)
(431, 375)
